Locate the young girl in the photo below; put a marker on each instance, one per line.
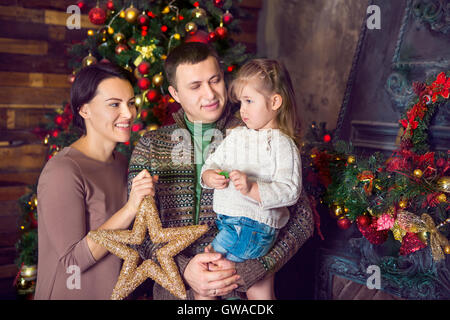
(262, 162)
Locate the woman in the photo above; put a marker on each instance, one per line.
(83, 188)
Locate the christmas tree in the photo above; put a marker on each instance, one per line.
(136, 35)
(403, 196)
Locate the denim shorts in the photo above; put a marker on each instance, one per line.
(241, 238)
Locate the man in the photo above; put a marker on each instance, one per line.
(176, 154)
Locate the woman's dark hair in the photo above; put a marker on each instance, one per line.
(84, 88)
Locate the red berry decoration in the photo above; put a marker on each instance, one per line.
(218, 3)
(121, 47)
(97, 16)
(144, 67)
(144, 83)
(152, 95)
(110, 5)
(81, 5)
(363, 220)
(164, 28)
(143, 20)
(344, 223)
(227, 18)
(212, 36)
(221, 32)
(326, 138)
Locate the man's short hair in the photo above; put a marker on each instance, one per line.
(190, 53)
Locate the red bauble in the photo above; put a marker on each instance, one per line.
(218, 3)
(344, 223)
(212, 36)
(143, 20)
(363, 220)
(58, 120)
(121, 47)
(199, 36)
(326, 138)
(144, 67)
(97, 16)
(110, 5)
(144, 83)
(221, 32)
(371, 233)
(152, 95)
(227, 18)
(164, 28)
(411, 243)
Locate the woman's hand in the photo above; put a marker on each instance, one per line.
(214, 180)
(142, 185)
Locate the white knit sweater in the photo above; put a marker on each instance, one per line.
(268, 157)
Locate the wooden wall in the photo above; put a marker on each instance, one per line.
(34, 80)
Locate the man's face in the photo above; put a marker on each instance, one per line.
(200, 89)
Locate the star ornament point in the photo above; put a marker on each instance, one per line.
(166, 273)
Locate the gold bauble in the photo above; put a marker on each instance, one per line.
(90, 32)
(402, 204)
(351, 159)
(152, 127)
(423, 236)
(139, 100)
(418, 173)
(110, 30)
(87, 61)
(166, 10)
(444, 184)
(447, 249)
(177, 36)
(131, 14)
(122, 14)
(442, 197)
(336, 210)
(119, 37)
(198, 13)
(191, 27)
(158, 80)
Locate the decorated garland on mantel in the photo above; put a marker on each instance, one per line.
(404, 195)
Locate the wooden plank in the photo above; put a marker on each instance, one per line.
(24, 95)
(50, 17)
(27, 157)
(8, 271)
(12, 193)
(8, 224)
(34, 79)
(9, 208)
(256, 4)
(30, 106)
(27, 177)
(24, 119)
(7, 255)
(23, 63)
(16, 137)
(39, 4)
(30, 47)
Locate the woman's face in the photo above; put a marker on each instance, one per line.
(110, 114)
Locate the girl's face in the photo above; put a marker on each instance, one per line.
(258, 111)
(111, 112)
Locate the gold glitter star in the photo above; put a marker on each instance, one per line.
(166, 273)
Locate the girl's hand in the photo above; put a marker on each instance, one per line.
(142, 185)
(214, 180)
(240, 181)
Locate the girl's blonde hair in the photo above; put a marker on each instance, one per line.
(272, 78)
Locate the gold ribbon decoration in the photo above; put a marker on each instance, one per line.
(367, 176)
(437, 240)
(413, 223)
(146, 52)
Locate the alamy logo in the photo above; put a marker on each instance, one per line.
(374, 280)
(74, 20)
(74, 280)
(374, 20)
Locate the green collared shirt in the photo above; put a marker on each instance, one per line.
(201, 142)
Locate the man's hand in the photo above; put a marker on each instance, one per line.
(214, 180)
(209, 283)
